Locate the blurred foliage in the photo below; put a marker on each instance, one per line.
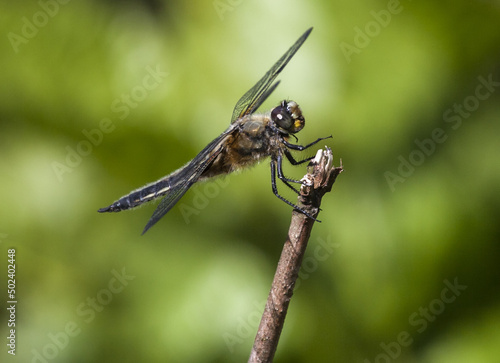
(398, 84)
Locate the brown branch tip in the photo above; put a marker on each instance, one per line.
(318, 181)
(321, 174)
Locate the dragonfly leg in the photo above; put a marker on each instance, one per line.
(300, 147)
(275, 191)
(283, 178)
(292, 160)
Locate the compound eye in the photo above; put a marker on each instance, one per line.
(281, 117)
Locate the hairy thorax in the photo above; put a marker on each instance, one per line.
(252, 141)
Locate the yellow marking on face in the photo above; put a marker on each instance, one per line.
(298, 125)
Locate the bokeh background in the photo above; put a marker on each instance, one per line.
(98, 98)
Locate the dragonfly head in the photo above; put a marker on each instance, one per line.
(288, 117)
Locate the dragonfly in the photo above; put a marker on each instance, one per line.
(249, 139)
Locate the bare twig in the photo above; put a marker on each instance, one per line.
(319, 180)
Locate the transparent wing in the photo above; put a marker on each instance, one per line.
(187, 176)
(251, 100)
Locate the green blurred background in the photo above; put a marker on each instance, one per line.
(410, 92)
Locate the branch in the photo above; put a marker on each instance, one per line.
(319, 180)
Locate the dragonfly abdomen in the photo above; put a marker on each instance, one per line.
(139, 196)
